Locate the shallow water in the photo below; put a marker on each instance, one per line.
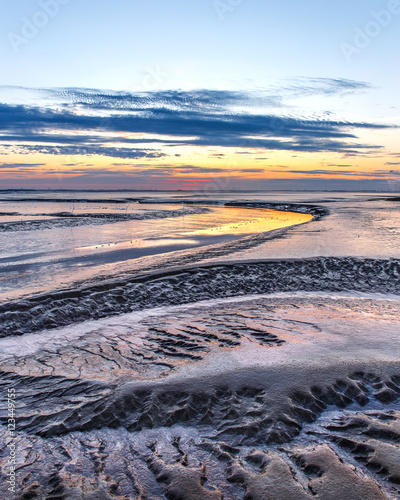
(33, 261)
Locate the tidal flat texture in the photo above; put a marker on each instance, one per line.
(262, 367)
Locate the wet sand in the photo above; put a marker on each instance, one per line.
(236, 374)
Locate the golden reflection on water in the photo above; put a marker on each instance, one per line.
(251, 221)
(222, 221)
(83, 252)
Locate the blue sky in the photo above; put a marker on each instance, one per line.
(107, 44)
(294, 60)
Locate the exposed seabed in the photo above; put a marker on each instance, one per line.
(238, 375)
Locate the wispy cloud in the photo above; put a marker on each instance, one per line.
(323, 86)
(353, 173)
(96, 122)
(88, 150)
(20, 165)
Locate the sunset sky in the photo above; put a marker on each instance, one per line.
(200, 94)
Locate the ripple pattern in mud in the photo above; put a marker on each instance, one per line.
(195, 284)
(352, 455)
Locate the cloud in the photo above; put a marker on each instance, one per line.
(339, 166)
(374, 174)
(271, 96)
(201, 99)
(301, 87)
(139, 170)
(93, 121)
(92, 150)
(21, 165)
(166, 99)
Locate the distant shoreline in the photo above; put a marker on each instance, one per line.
(23, 190)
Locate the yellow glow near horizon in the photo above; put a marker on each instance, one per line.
(190, 162)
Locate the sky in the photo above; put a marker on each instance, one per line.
(200, 95)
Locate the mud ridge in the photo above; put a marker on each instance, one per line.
(354, 455)
(241, 413)
(66, 219)
(195, 284)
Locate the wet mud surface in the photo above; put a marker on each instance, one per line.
(257, 398)
(264, 379)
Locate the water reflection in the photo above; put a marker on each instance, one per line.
(37, 261)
